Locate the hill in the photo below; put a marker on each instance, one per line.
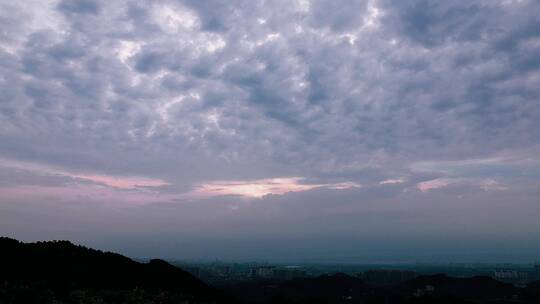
(323, 289)
(61, 272)
(532, 291)
(478, 288)
(342, 288)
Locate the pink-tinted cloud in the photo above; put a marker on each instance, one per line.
(492, 185)
(433, 184)
(484, 184)
(80, 193)
(115, 181)
(392, 181)
(262, 187)
(129, 182)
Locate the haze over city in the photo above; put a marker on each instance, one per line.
(370, 131)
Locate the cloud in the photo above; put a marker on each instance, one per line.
(119, 182)
(433, 184)
(391, 181)
(79, 7)
(257, 188)
(462, 184)
(289, 91)
(260, 188)
(168, 99)
(122, 182)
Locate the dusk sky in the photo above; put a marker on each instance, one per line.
(279, 130)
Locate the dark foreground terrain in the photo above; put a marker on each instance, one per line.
(60, 272)
(341, 288)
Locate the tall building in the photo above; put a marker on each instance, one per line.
(510, 275)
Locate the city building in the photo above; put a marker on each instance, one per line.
(510, 275)
(262, 272)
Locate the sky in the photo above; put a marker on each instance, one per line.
(279, 130)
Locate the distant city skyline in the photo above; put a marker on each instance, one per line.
(305, 130)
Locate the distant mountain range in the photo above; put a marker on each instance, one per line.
(61, 272)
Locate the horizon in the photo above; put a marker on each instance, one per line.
(273, 130)
(349, 261)
(324, 261)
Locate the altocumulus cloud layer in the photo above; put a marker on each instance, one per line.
(302, 130)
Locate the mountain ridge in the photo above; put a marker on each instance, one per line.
(59, 268)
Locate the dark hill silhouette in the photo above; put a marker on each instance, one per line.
(58, 268)
(327, 286)
(337, 288)
(477, 288)
(342, 288)
(532, 291)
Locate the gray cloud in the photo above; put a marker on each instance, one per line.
(191, 92)
(79, 7)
